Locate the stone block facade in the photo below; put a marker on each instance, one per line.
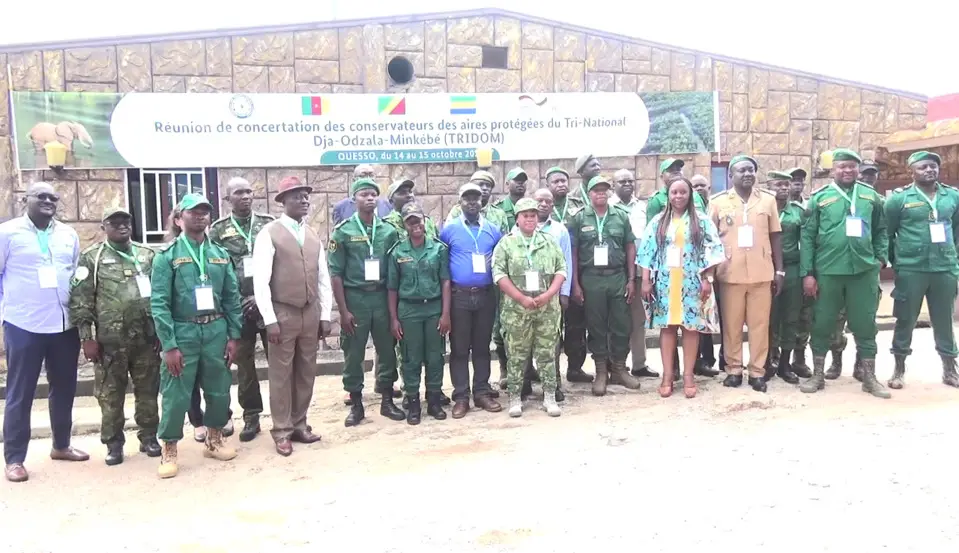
(784, 119)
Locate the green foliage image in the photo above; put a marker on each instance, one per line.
(680, 122)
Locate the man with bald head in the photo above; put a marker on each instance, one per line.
(345, 208)
(38, 260)
(235, 233)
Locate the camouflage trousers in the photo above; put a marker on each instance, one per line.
(119, 364)
(530, 335)
(838, 341)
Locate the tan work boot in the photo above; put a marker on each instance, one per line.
(602, 375)
(869, 383)
(215, 448)
(619, 376)
(168, 467)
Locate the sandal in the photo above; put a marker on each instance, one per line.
(666, 389)
(689, 390)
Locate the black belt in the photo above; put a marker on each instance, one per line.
(370, 288)
(203, 319)
(471, 289)
(419, 300)
(603, 271)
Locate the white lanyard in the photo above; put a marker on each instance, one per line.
(932, 202)
(852, 201)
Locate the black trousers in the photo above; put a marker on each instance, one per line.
(707, 352)
(471, 320)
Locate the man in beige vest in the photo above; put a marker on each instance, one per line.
(291, 285)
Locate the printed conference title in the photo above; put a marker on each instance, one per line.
(338, 132)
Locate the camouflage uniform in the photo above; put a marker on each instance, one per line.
(106, 295)
(236, 237)
(528, 332)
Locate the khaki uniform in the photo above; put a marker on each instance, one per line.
(747, 274)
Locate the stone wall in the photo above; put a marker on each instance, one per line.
(783, 119)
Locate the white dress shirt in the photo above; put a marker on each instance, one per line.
(263, 252)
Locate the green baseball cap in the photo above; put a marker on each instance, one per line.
(556, 169)
(668, 163)
(845, 154)
(361, 184)
(515, 173)
(193, 201)
(525, 204)
(597, 180)
(924, 156)
(113, 211)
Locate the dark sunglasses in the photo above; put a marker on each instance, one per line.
(45, 197)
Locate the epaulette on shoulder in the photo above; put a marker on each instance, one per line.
(220, 220)
(340, 224)
(818, 190)
(389, 251)
(717, 195)
(867, 185)
(165, 246)
(576, 210)
(92, 247)
(267, 216)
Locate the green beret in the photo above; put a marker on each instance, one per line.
(192, 201)
(556, 169)
(525, 204)
(395, 187)
(742, 157)
(845, 154)
(779, 175)
(924, 156)
(668, 163)
(360, 184)
(597, 180)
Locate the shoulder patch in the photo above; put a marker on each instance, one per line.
(867, 196)
(404, 259)
(181, 260)
(913, 204)
(81, 274)
(331, 246)
(219, 260)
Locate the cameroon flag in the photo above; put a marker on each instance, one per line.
(316, 105)
(392, 105)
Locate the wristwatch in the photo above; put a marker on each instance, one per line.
(780, 273)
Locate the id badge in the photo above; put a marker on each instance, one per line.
(854, 227)
(371, 269)
(937, 231)
(673, 257)
(479, 264)
(47, 276)
(601, 256)
(247, 267)
(204, 298)
(745, 236)
(532, 281)
(143, 284)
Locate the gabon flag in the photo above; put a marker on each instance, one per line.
(316, 105)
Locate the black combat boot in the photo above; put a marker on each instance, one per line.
(602, 377)
(785, 370)
(151, 447)
(757, 383)
(357, 413)
(818, 380)
(835, 370)
(869, 383)
(769, 372)
(389, 409)
(799, 365)
(114, 454)
(251, 427)
(414, 414)
(434, 405)
(733, 380)
(857, 368)
(773, 359)
(896, 382)
(949, 375)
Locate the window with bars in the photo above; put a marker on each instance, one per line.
(154, 192)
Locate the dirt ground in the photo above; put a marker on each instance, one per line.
(731, 469)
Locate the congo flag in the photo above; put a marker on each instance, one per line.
(392, 105)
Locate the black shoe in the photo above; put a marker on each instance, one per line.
(414, 414)
(758, 384)
(733, 380)
(492, 392)
(251, 428)
(389, 409)
(396, 394)
(150, 446)
(357, 413)
(527, 390)
(114, 454)
(702, 369)
(434, 402)
(444, 399)
(644, 372)
(560, 396)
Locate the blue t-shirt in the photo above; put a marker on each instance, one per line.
(463, 242)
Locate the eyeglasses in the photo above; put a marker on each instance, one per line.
(46, 197)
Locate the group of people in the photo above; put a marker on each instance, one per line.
(584, 271)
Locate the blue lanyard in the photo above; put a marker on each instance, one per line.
(476, 236)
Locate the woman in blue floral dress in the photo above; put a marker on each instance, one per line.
(678, 253)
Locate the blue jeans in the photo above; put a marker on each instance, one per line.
(26, 353)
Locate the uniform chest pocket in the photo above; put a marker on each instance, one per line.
(616, 233)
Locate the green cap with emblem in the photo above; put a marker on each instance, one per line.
(779, 175)
(916, 157)
(397, 184)
(845, 154)
(483, 176)
(669, 163)
(193, 201)
(556, 169)
(740, 158)
(114, 211)
(517, 174)
(525, 204)
(412, 210)
(362, 184)
(596, 181)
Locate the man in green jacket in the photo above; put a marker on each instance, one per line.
(786, 306)
(844, 245)
(516, 180)
(923, 225)
(669, 170)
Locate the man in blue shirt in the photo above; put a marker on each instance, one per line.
(471, 239)
(345, 208)
(38, 258)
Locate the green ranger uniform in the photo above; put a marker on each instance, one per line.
(787, 305)
(844, 244)
(603, 282)
(530, 333)
(417, 275)
(563, 210)
(111, 291)
(505, 204)
(185, 274)
(236, 236)
(923, 234)
(396, 220)
(353, 248)
(657, 203)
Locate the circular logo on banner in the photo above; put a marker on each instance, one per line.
(241, 106)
